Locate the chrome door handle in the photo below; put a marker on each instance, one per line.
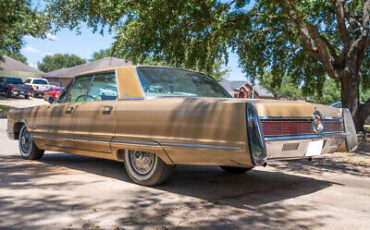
(69, 109)
(107, 109)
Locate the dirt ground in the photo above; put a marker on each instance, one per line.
(63, 191)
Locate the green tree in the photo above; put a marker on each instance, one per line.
(307, 40)
(18, 19)
(15, 55)
(101, 54)
(286, 89)
(57, 61)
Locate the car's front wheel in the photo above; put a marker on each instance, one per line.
(51, 100)
(146, 168)
(27, 147)
(235, 170)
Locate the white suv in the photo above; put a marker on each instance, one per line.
(39, 85)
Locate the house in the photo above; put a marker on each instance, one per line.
(242, 89)
(10, 67)
(61, 77)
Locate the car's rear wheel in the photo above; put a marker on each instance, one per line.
(26, 96)
(146, 168)
(235, 170)
(27, 147)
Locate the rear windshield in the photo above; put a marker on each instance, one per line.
(15, 81)
(157, 81)
(40, 82)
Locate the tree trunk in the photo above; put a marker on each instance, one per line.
(350, 92)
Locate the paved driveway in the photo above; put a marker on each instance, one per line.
(20, 102)
(63, 191)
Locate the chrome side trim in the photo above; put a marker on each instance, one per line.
(325, 135)
(131, 98)
(133, 142)
(137, 142)
(199, 146)
(270, 118)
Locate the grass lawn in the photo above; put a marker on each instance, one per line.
(4, 109)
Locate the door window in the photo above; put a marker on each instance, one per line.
(76, 92)
(28, 81)
(103, 88)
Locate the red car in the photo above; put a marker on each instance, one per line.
(52, 94)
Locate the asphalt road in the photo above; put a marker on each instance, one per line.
(63, 191)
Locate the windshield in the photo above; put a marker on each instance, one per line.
(14, 81)
(158, 81)
(40, 82)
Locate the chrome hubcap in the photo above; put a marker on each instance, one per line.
(26, 142)
(142, 162)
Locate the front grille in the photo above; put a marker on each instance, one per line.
(288, 127)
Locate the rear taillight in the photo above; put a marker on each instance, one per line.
(12, 87)
(294, 127)
(37, 87)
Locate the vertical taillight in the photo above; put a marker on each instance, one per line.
(256, 140)
(12, 87)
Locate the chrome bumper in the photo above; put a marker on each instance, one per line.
(295, 147)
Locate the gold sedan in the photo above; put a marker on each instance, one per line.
(152, 118)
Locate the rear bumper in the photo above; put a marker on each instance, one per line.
(281, 148)
(19, 92)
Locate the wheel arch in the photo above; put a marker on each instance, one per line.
(17, 128)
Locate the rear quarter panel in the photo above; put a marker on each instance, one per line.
(182, 125)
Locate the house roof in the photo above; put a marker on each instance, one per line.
(232, 86)
(10, 64)
(108, 62)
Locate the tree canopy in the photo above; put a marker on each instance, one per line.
(18, 19)
(101, 54)
(15, 55)
(306, 40)
(57, 61)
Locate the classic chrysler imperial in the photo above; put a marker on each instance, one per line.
(152, 118)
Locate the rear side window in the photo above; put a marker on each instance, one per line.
(103, 88)
(28, 81)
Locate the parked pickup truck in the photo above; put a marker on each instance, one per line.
(39, 85)
(14, 86)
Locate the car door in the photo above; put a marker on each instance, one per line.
(61, 114)
(94, 119)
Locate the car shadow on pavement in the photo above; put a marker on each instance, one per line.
(209, 197)
(206, 182)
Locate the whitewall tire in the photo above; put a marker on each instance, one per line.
(146, 168)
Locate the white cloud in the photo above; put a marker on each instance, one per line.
(51, 36)
(31, 49)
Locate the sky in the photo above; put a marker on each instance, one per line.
(85, 44)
